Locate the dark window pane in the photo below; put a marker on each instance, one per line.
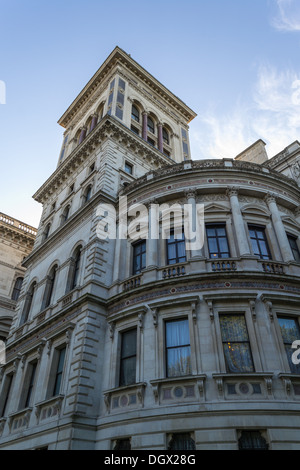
(122, 444)
(252, 440)
(236, 344)
(290, 332)
(217, 241)
(182, 441)
(259, 242)
(139, 256)
(128, 358)
(178, 351)
(59, 371)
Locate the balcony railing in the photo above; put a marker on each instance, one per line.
(223, 265)
(174, 271)
(132, 283)
(272, 267)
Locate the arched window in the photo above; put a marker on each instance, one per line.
(28, 303)
(166, 136)
(49, 287)
(65, 214)
(46, 232)
(135, 113)
(74, 269)
(87, 194)
(150, 125)
(17, 288)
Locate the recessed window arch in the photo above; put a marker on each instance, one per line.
(17, 288)
(166, 136)
(74, 270)
(135, 113)
(150, 124)
(28, 302)
(49, 287)
(46, 232)
(65, 214)
(100, 111)
(87, 193)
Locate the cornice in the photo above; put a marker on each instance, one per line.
(217, 175)
(108, 127)
(124, 59)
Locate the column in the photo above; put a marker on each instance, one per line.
(194, 226)
(280, 232)
(238, 222)
(153, 235)
(160, 137)
(94, 121)
(145, 125)
(119, 257)
(82, 135)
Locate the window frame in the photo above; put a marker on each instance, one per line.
(290, 316)
(139, 255)
(121, 381)
(175, 242)
(215, 226)
(250, 342)
(167, 348)
(135, 117)
(295, 249)
(58, 374)
(262, 228)
(17, 288)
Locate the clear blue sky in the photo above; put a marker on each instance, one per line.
(234, 62)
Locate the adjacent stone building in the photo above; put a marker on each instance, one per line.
(16, 242)
(148, 343)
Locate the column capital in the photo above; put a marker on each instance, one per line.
(190, 193)
(232, 191)
(270, 197)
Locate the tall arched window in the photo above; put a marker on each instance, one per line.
(150, 125)
(166, 136)
(65, 214)
(74, 270)
(28, 303)
(50, 280)
(17, 288)
(135, 114)
(87, 194)
(46, 232)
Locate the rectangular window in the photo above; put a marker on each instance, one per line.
(31, 371)
(128, 357)
(139, 256)
(59, 371)
(122, 444)
(294, 247)
(178, 350)
(128, 168)
(290, 332)
(176, 248)
(6, 390)
(217, 241)
(135, 130)
(252, 440)
(259, 242)
(236, 345)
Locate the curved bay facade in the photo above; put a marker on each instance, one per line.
(151, 343)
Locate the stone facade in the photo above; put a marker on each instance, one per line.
(91, 354)
(16, 242)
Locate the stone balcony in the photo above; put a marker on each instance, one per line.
(204, 267)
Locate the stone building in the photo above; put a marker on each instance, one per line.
(16, 242)
(153, 343)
